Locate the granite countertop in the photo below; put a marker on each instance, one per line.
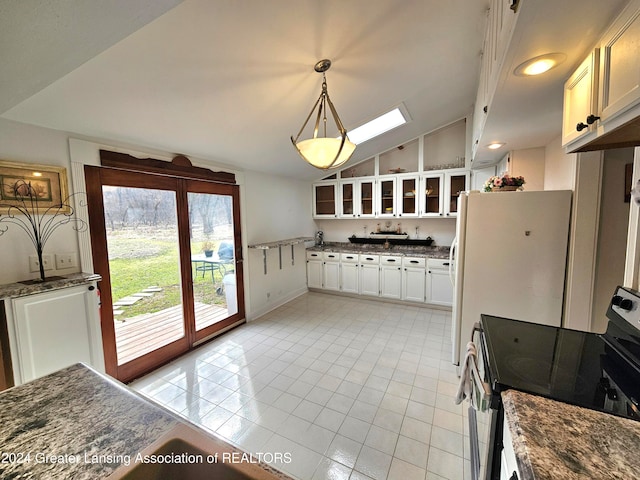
(65, 420)
(398, 250)
(555, 440)
(13, 290)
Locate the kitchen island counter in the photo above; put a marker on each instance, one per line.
(79, 424)
(555, 440)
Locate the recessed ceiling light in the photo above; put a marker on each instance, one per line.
(378, 126)
(495, 145)
(539, 64)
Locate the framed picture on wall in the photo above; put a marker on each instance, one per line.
(42, 186)
(628, 179)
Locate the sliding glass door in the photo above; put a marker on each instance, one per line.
(167, 249)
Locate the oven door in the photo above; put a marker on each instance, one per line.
(483, 420)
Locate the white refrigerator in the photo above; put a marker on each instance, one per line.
(508, 259)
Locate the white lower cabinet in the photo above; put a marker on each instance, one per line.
(369, 275)
(509, 466)
(391, 277)
(53, 330)
(439, 287)
(349, 273)
(414, 279)
(411, 279)
(314, 269)
(331, 271)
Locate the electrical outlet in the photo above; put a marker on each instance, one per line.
(34, 264)
(65, 260)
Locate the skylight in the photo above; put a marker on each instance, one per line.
(377, 126)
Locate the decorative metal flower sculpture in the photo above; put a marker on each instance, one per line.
(36, 221)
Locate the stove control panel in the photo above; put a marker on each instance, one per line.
(626, 303)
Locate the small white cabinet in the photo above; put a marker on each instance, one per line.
(349, 273)
(580, 99)
(439, 287)
(331, 271)
(53, 330)
(314, 269)
(413, 279)
(369, 275)
(508, 466)
(391, 277)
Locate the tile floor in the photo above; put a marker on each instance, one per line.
(351, 388)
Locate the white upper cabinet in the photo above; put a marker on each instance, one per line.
(410, 180)
(602, 97)
(501, 19)
(408, 195)
(325, 199)
(620, 64)
(581, 100)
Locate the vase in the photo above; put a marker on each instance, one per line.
(506, 188)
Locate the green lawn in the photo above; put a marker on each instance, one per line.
(142, 263)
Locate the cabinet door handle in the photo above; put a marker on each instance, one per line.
(391, 260)
(414, 261)
(91, 288)
(445, 264)
(581, 126)
(592, 118)
(514, 476)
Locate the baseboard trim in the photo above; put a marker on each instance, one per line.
(255, 314)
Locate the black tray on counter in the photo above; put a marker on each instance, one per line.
(393, 241)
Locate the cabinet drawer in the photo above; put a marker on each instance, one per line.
(438, 263)
(387, 260)
(349, 257)
(314, 255)
(369, 259)
(331, 257)
(414, 262)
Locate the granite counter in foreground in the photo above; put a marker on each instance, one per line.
(77, 424)
(555, 440)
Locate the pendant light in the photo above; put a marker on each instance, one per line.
(324, 152)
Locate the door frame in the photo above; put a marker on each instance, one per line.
(178, 178)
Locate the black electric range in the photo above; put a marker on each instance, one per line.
(596, 371)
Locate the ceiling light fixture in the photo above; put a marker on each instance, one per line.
(539, 64)
(324, 152)
(495, 145)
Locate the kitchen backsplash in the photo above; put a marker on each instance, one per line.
(442, 230)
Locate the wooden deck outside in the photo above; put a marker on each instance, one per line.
(145, 333)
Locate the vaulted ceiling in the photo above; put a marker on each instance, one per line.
(231, 80)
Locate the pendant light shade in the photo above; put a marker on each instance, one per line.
(324, 152)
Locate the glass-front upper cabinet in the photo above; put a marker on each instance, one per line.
(456, 182)
(348, 199)
(432, 195)
(408, 196)
(325, 199)
(386, 197)
(366, 189)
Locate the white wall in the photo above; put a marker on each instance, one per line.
(275, 208)
(612, 236)
(442, 230)
(29, 144)
(272, 208)
(559, 167)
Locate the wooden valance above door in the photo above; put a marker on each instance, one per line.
(179, 167)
